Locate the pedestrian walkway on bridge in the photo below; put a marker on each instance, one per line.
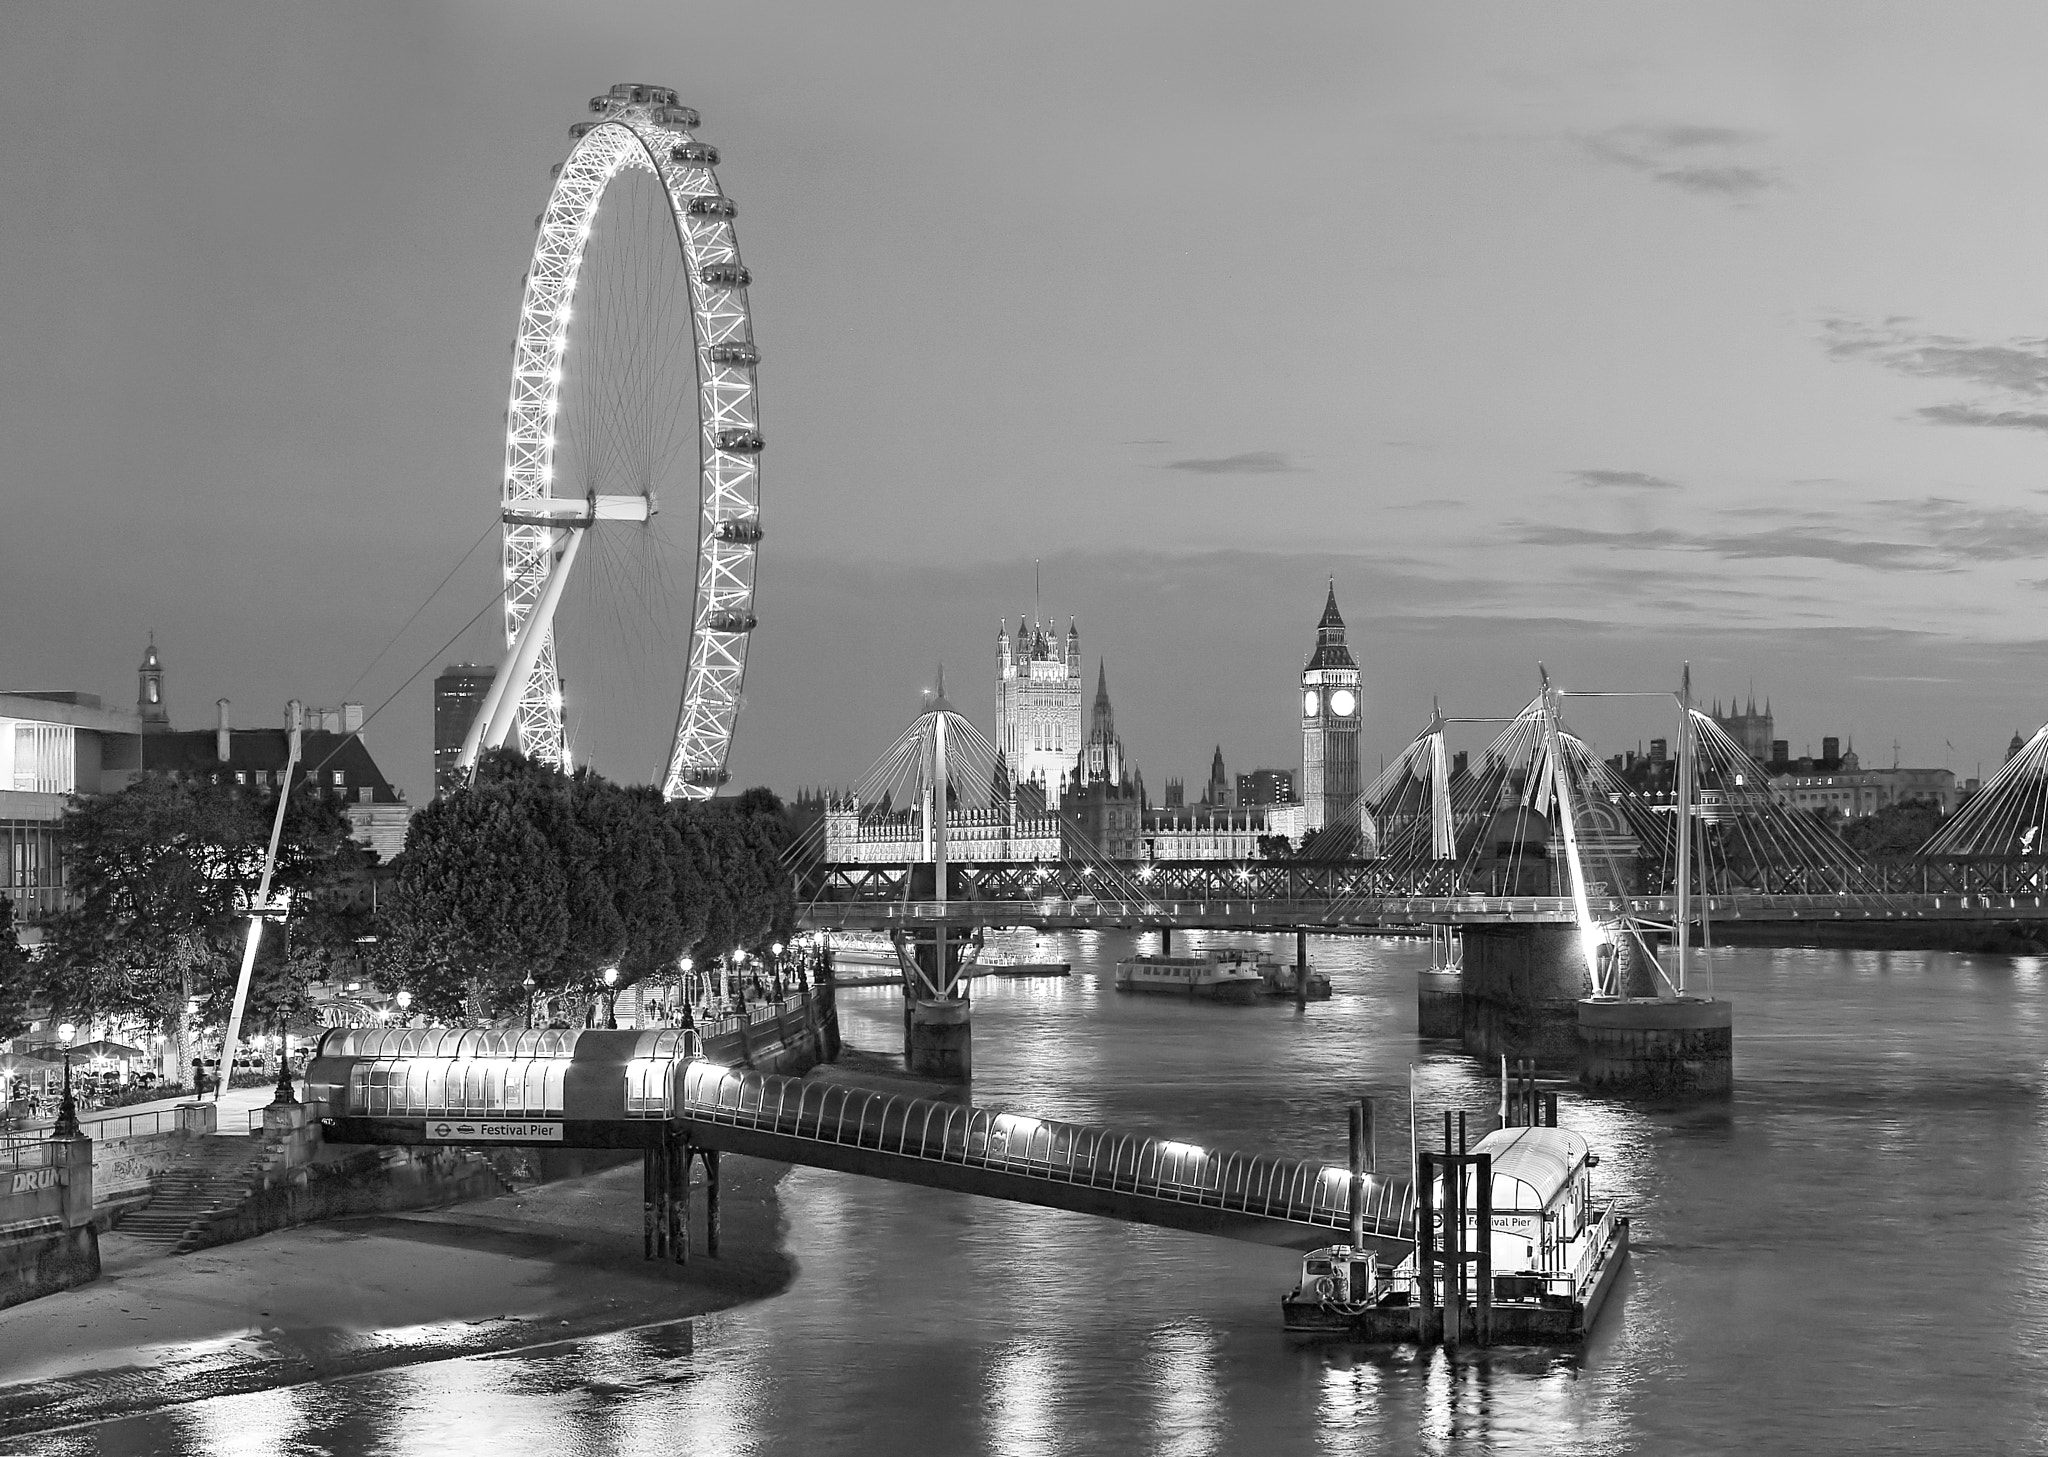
(655, 1091)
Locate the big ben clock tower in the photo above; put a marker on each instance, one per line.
(1329, 726)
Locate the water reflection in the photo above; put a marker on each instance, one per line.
(1851, 1254)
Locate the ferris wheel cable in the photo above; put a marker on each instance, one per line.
(439, 587)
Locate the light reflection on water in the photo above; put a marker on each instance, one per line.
(1850, 1256)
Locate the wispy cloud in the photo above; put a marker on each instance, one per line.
(1630, 479)
(1974, 415)
(1251, 463)
(2017, 365)
(1922, 534)
(1703, 160)
(1795, 543)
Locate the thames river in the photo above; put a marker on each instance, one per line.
(1851, 1255)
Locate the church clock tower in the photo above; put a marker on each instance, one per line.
(1329, 726)
(149, 693)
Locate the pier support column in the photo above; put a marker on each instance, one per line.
(1657, 1047)
(1521, 987)
(1439, 1004)
(938, 1030)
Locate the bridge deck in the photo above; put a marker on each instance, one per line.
(1080, 1167)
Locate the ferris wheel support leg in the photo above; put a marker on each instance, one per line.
(526, 649)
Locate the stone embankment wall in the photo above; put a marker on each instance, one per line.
(365, 1181)
(48, 1241)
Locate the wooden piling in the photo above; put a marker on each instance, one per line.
(1358, 1136)
(711, 1202)
(1301, 970)
(1483, 1177)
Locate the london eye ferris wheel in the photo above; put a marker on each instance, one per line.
(633, 392)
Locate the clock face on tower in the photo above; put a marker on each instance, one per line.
(1343, 703)
(1308, 701)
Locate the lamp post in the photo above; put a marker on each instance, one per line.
(611, 998)
(66, 1125)
(775, 966)
(285, 1096)
(529, 986)
(689, 986)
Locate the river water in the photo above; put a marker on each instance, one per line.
(1850, 1256)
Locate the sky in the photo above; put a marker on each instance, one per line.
(1613, 337)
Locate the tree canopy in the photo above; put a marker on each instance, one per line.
(530, 872)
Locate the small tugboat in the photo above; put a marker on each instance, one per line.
(1282, 980)
(1551, 1254)
(1221, 976)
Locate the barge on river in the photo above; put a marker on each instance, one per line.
(1549, 1253)
(1219, 976)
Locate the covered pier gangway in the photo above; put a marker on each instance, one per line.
(653, 1090)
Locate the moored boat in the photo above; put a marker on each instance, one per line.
(1216, 976)
(1282, 980)
(1555, 1256)
(1003, 966)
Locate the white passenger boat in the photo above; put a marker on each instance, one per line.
(1220, 976)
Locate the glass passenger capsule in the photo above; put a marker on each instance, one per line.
(727, 275)
(705, 778)
(731, 622)
(712, 207)
(744, 530)
(740, 442)
(681, 116)
(694, 154)
(746, 356)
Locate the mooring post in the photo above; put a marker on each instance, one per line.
(1425, 1245)
(649, 1183)
(1357, 1178)
(1166, 940)
(1454, 1265)
(1301, 970)
(711, 1202)
(1550, 1109)
(685, 1201)
(1372, 1134)
(1483, 1175)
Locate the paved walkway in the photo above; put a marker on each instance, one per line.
(239, 1107)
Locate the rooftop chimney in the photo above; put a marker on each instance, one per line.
(222, 749)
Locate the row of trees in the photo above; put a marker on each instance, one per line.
(529, 872)
(533, 873)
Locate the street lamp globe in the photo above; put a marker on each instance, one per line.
(611, 976)
(776, 948)
(405, 1001)
(65, 1032)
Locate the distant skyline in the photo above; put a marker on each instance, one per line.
(1611, 337)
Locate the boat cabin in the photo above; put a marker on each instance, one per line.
(1542, 1199)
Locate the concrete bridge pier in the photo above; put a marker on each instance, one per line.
(938, 1030)
(1657, 1047)
(1519, 993)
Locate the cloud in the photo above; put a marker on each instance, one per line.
(1251, 463)
(1798, 543)
(2019, 366)
(1671, 154)
(1924, 534)
(1633, 479)
(1973, 415)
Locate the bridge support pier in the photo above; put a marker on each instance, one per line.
(1657, 1047)
(938, 1026)
(1439, 1004)
(1520, 993)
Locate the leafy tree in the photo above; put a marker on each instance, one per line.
(638, 847)
(594, 936)
(16, 976)
(1896, 829)
(476, 904)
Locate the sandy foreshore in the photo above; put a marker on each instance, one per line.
(553, 1262)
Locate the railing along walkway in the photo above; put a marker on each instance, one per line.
(1135, 1176)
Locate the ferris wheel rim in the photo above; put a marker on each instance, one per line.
(640, 128)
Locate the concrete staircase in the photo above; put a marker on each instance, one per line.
(215, 1171)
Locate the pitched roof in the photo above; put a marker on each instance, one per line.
(1330, 649)
(194, 751)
